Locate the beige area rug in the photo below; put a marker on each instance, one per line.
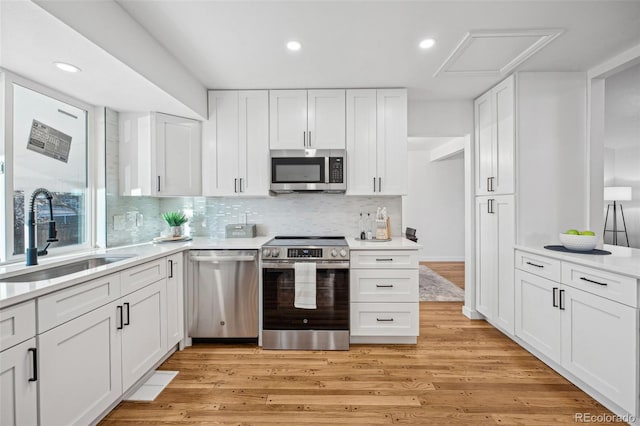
(435, 288)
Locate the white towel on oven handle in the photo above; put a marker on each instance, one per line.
(305, 283)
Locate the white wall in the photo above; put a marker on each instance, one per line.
(551, 156)
(440, 118)
(622, 146)
(434, 205)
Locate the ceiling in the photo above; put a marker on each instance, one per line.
(241, 45)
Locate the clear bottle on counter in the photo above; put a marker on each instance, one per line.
(361, 228)
(369, 227)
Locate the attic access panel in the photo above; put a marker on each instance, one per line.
(495, 52)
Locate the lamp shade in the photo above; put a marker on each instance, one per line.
(617, 193)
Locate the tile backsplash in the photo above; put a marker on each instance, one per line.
(132, 220)
(286, 214)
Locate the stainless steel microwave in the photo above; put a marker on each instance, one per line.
(308, 170)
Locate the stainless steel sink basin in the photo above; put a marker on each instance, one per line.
(66, 269)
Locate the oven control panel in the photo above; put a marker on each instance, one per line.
(315, 253)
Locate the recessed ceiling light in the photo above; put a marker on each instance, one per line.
(294, 45)
(427, 43)
(67, 67)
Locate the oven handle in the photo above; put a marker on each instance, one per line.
(215, 259)
(319, 265)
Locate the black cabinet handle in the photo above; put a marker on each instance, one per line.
(385, 260)
(555, 295)
(488, 187)
(374, 184)
(384, 285)
(158, 186)
(128, 318)
(384, 319)
(536, 265)
(379, 184)
(592, 281)
(241, 190)
(304, 139)
(34, 352)
(235, 185)
(491, 185)
(119, 313)
(170, 268)
(309, 138)
(562, 300)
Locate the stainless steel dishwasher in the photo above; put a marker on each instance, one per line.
(223, 294)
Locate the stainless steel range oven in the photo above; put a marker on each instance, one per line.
(285, 326)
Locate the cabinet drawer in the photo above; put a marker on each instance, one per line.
(385, 319)
(17, 324)
(139, 276)
(384, 285)
(542, 266)
(384, 259)
(616, 287)
(65, 305)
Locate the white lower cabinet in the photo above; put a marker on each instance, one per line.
(577, 325)
(80, 368)
(144, 338)
(495, 236)
(18, 385)
(384, 296)
(175, 299)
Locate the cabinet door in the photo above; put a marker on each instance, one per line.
(537, 320)
(19, 403)
(175, 299)
(220, 145)
(504, 136)
(288, 119)
(483, 119)
(178, 155)
(599, 345)
(80, 368)
(144, 337)
(505, 239)
(392, 142)
(486, 259)
(253, 147)
(361, 142)
(326, 119)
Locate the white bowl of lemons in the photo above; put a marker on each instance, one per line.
(579, 240)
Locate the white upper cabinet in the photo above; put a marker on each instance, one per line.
(326, 119)
(377, 141)
(160, 155)
(302, 119)
(494, 114)
(235, 157)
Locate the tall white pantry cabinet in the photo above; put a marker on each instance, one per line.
(494, 118)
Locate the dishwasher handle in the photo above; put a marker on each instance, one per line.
(215, 259)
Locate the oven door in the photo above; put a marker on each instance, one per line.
(332, 298)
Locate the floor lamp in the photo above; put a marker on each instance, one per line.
(615, 194)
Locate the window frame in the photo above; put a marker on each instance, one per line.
(8, 79)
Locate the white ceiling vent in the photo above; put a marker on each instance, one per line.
(488, 52)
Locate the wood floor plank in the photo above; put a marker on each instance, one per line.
(453, 271)
(460, 372)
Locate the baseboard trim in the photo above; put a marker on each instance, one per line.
(383, 340)
(442, 259)
(471, 313)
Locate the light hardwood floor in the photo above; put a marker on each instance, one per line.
(460, 372)
(453, 271)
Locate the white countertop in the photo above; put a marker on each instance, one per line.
(16, 292)
(396, 243)
(622, 260)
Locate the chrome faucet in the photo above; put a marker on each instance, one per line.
(32, 250)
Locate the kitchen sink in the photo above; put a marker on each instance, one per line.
(66, 269)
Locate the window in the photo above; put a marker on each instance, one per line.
(48, 149)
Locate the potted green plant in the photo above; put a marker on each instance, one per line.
(175, 220)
